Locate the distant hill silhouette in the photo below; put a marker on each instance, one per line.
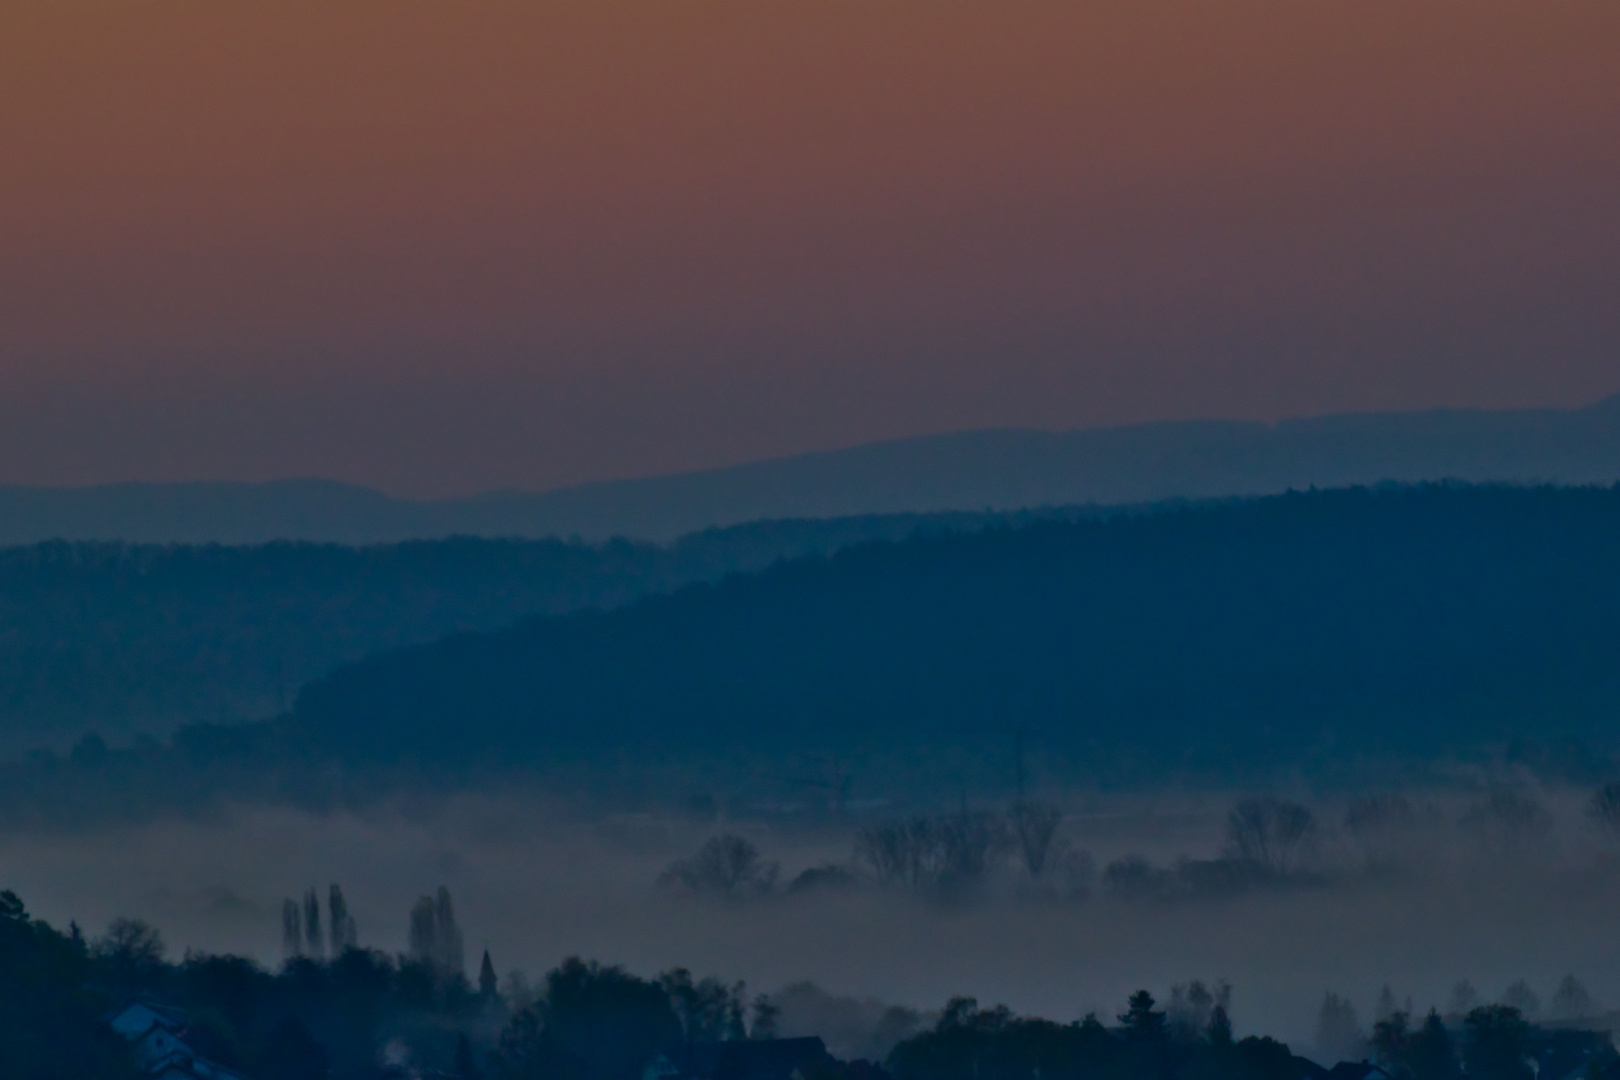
(975, 470)
(1306, 631)
(126, 639)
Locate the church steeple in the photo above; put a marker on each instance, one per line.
(486, 977)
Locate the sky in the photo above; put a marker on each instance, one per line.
(444, 247)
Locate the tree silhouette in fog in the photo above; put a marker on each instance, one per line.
(435, 939)
(728, 866)
(1270, 833)
(1035, 827)
(1494, 1044)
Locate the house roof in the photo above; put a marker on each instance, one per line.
(138, 1017)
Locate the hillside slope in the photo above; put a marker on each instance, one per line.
(1304, 630)
(126, 639)
(967, 471)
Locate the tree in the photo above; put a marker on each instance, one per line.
(424, 931)
(314, 945)
(131, 952)
(1140, 1022)
(709, 1010)
(726, 866)
(342, 929)
(466, 1065)
(1523, 998)
(1192, 1006)
(1571, 1001)
(607, 1024)
(292, 929)
(1145, 1053)
(766, 1013)
(1034, 828)
(1219, 1032)
(525, 1051)
(231, 987)
(50, 1027)
(1389, 1043)
(1463, 999)
(291, 1053)
(1261, 1057)
(1494, 1044)
(1337, 1033)
(905, 853)
(969, 845)
(447, 935)
(1507, 822)
(1379, 824)
(1270, 833)
(1430, 1054)
(435, 939)
(1604, 810)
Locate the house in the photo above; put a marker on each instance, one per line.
(158, 1037)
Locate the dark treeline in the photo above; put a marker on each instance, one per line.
(125, 639)
(1268, 843)
(115, 1008)
(1334, 635)
(1307, 631)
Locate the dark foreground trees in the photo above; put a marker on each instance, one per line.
(364, 1015)
(970, 1043)
(50, 1018)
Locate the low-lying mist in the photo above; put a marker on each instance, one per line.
(1418, 892)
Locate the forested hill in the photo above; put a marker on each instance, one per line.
(1306, 630)
(123, 639)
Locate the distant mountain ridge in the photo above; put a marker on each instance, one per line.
(974, 470)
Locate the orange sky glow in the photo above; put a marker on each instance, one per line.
(441, 247)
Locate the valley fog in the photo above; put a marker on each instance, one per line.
(1442, 899)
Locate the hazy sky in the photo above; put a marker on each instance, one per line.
(441, 247)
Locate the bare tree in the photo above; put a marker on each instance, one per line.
(1270, 833)
(903, 853)
(131, 950)
(1507, 821)
(945, 854)
(727, 866)
(1604, 810)
(969, 845)
(1381, 825)
(1034, 829)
